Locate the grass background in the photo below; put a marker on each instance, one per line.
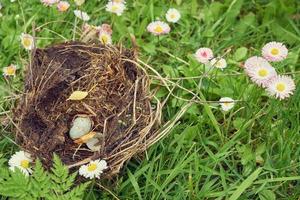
(252, 152)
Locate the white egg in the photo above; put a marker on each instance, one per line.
(94, 143)
(80, 127)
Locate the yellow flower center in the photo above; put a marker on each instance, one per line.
(10, 71)
(263, 72)
(27, 42)
(117, 1)
(158, 29)
(114, 8)
(274, 51)
(92, 167)
(280, 87)
(226, 104)
(104, 39)
(172, 16)
(64, 7)
(25, 164)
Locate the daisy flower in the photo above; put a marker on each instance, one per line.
(203, 55)
(254, 61)
(274, 51)
(27, 41)
(63, 6)
(173, 15)
(115, 7)
(79, 2)
(158, 28)
(218, 63)
(259, 70)
(21, 160)
(93, 169)
(82, 15)
(105, 28)
(10, 70)
(105, 38)
(227, 103)
(281, 87)
(49, 2)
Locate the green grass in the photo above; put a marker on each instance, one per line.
(252, 152)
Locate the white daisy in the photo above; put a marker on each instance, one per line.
(218, 63)
(259, 70)
(27, 41)
(10, 70)
(203, 55)
(281, 87)
(115, 7)
(21, 160)
(79, 2)
(93, 169)
(226, 103)
(105, 38)
(173, 15)
(82, 15)
(274, 51)
(158, 28)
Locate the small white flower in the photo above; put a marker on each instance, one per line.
(94, 169)
(158, 28)
(259, 70)
(115, 7)
(173, 15)
(82, 15)
(21, 160)
(203, 55)
(227, 103)
(10, 70)
(79, 2)
(281, 87)
(218, 63)
(27, 41)
(274, 51)
(105, 38)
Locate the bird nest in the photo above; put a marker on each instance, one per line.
(118, 102)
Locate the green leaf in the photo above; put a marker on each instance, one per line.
(267, 195)
(240, 54)
(245, 184)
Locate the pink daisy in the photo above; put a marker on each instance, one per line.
(274, 51)
(203, 55)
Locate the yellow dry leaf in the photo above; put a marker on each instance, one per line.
(78, 95)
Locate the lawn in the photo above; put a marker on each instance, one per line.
(249, 152)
